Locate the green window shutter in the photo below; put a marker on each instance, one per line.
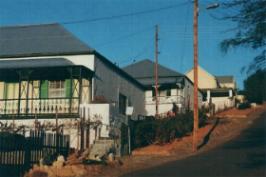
(44, 89)
(68, 88)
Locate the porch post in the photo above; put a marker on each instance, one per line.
(27, 94)
(208, 95)
(71, 90)
(19, 92)
(230, 93)
(82, 117)
(80, 86)
(5, 95)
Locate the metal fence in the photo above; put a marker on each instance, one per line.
(19, 153)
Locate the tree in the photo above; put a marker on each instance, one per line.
(255, 87)
(250, 16)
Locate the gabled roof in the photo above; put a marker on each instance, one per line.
(143, 72)
(39, 40)
(225, 79)
(145, 69)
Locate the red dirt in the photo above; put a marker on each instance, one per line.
(170, 148)
(237, 113)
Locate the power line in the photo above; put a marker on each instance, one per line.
(123, 15)
(135, 57)
(125, 36)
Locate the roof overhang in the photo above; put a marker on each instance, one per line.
(34, 63)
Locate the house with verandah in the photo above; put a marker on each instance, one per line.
(218, 91)
(47, 73)
(174, 88)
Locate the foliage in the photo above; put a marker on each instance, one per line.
(143, 132)
(163, 131)
(255, 87)
(250, 17)
(48, 159)
(244, 105)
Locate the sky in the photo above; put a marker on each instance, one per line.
(131, 38)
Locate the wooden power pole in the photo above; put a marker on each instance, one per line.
(156, 70)
(195, 46)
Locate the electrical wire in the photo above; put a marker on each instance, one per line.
(124, 37)
(123, 15)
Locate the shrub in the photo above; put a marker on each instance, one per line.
(163, 131)
(143, 133)
(244, 105)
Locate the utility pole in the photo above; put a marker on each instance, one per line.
(195, 46)
(156, 70)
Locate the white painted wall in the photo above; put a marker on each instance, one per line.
(228, 85)
(182, 97)
(165, 102)
(221, 103)
(100, 112)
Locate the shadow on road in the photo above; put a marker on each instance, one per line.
(207, 137)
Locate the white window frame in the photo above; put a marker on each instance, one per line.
(57, 89)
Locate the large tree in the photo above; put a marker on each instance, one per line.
(255, 86)
(250, 17)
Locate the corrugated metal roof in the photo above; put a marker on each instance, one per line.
(34, 63)
(225, 79)
(48, 39)
(145, 68)
(143, 71)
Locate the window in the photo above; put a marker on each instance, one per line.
(162, 93)
(219, 94)
(165, 92)
(168, 92)
(57, 89)
(122, 104)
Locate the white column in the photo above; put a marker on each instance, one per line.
(208, 95)
(230, 93)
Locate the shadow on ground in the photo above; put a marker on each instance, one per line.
(207, 137)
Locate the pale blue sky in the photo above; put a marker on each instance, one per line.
(123, 40)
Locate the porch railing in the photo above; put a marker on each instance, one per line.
(39, 106)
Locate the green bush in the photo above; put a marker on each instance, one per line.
(244, 105)
(143, 133)
(163, 131)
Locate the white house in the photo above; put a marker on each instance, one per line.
(217, 90)
(47, 73)
(174, 87)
